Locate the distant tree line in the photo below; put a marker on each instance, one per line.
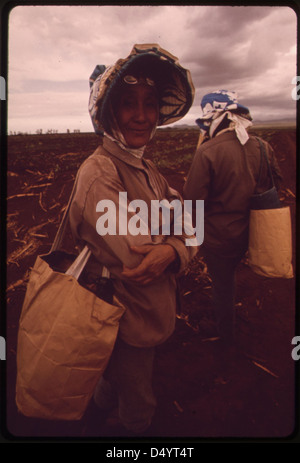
(40, 132)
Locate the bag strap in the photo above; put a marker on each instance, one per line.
(63, 224)
(79, 263)
(263, 154)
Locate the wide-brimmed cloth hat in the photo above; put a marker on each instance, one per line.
(173, 84)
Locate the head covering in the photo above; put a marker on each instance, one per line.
(220, 105)
(172, 81)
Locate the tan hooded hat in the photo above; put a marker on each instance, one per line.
(173, 82)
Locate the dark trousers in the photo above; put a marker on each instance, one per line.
(222, 270)
(128, 381)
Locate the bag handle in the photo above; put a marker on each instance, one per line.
(263, 154)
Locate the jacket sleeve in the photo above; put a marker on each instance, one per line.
(198, 181)
(182, 221)
(101, 184)
(276, 172)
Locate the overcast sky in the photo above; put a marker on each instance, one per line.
(54, 49)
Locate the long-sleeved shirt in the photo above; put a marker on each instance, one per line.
(150, 314)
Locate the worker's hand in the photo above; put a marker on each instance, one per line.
(156, 260)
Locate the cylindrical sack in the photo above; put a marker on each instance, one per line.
(270, 242)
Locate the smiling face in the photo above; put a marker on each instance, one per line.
(137, 114)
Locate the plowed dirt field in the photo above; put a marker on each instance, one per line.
(203, 392)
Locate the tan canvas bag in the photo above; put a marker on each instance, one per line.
(270, 232)
(270, 242)
(65, 339)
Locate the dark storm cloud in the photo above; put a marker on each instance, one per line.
(247, 49)
(227, 20)
(233, 43)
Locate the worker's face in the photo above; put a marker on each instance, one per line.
(137, 114)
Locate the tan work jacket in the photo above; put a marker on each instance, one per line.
(150, 313)
(224, 174)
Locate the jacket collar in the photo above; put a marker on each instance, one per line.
(116, 151)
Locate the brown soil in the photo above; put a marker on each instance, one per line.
(202, 391)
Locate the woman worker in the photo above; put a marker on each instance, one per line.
(224, 173)
(128, 101)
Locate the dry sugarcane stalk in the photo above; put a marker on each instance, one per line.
(15, 285)
(40, 202)
(179, 408)
(23, 194)
(35, 172)
(264, 368)
(60, 194)
(37, 186)
(290, 193)
(19, 282)
(38, 227)
(19, 252)
(54, 205)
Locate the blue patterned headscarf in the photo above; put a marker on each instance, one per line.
(218, 105)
